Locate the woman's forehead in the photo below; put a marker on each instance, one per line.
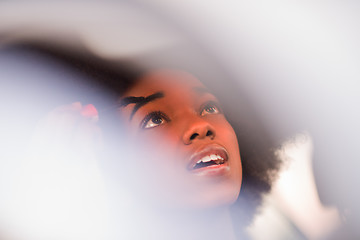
(164, 81)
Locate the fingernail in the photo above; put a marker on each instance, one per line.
(90, 111)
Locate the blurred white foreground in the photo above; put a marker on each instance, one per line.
(299, 63)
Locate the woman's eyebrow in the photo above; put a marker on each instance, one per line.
(140, 101)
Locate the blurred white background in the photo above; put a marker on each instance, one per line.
(298, 61)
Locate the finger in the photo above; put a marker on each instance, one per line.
(90, 112)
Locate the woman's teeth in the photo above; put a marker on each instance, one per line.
(209, 160)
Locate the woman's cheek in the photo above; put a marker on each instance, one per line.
(161, 146)
(158, 136)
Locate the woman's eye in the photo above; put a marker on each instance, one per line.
(154, 119)
(154, 122)
(210, 108)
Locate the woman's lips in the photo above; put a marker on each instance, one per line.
(210, 160)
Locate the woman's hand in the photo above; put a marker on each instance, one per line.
(61, 189)
(69, 132)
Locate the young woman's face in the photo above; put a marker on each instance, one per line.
(192, 154)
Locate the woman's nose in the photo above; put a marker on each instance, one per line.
(198, 129)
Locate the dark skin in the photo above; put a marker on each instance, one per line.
(172, 113)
